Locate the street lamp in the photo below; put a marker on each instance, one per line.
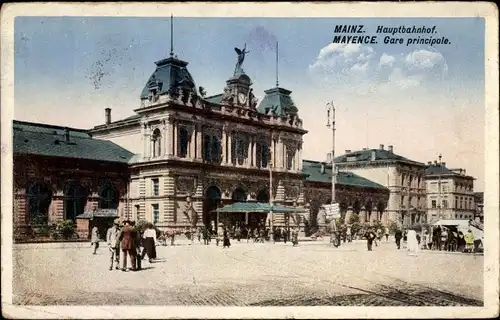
(330, 123)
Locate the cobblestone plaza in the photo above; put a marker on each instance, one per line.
(249, 274)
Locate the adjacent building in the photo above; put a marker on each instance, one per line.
(450, 193)
(404, 178)
(479, 202)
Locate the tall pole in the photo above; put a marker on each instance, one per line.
(271, 213)
(277, 82)
(171, 35)
(439, 188)
(331, 124)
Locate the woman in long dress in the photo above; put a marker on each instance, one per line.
(226, 242)
(149, 241)
(94, 240)
(412, 242)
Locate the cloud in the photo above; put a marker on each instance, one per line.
(360, 69)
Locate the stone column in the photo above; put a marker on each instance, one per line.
(199, 141)
(192, 143)
(248, 160)
(145, 140)
(170, 138)
(223, 145)
(175, 141)
(229, 147)
(254, 151)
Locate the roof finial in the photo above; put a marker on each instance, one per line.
(277, 82)
(440, 156)
(171, 35)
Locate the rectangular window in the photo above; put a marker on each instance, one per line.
(433, 202)
(445, 204)
(456, 203)
(156, 187)
(156, 213)
(461, 203)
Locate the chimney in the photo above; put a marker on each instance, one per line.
(443, 164)
(322, 168)
(429, 163)
(329, 157)
(391, 149)
(66, 135)
(464, 172)
(347, 151)
(381, 147)
(435, 162)
(108, 115)
(374, 155)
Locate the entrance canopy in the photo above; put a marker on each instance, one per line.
(99, 213)
(256, 207)
(461, 225)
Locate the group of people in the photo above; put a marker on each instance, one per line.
(127, 242)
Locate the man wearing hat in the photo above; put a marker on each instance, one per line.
(127, 238)
(112, 236)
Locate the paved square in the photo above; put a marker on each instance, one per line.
(249, 274)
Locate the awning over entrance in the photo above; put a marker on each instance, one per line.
(256, 207)
(99, 213)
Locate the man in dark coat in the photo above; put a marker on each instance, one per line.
(398, 235)
(370, 237)
(138, 256)
(128, 238)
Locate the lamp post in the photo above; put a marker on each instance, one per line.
(330, 123)
(271, 213)
(439, 188)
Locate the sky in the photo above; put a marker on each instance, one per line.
(424, 100)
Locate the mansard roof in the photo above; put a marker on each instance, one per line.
(170, 72)
(380, 155)
(278, 101)
(49, 140)
(441, 170)
(321, 172)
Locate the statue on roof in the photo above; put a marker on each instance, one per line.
(241, 58)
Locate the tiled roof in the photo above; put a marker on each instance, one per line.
(436, 169)
(366, 155)
(313, 170)
(255, 207)
(48, 140)
(277, 101)
(169, 72)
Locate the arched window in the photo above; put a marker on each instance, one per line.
(215, 150)
(75, 199)
(183, 142)
(239, 195)
(239, 149)
(290, 158)
(108, 198)
(156, 140)
(39, 196)
(263, 196)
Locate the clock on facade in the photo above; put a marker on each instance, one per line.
(242, 98)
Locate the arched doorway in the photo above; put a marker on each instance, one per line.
(211, 202)
(75, 198)
(39, 196)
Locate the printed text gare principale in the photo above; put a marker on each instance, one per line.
(355, 34)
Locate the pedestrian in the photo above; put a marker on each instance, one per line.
(172, 237)
(225, 239)
(469, 241)
(295, 237)
(138, 243)
(370, 237)
(149, 241)
(285, 235)
(386, 234)
(112, 236)
(429, 240)
(412, 242)
(398, 235)
(128, 245)
(349, 234)
(198, 233)
(461, 242)
(206, 235)
(94, 239)
(444, 239)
